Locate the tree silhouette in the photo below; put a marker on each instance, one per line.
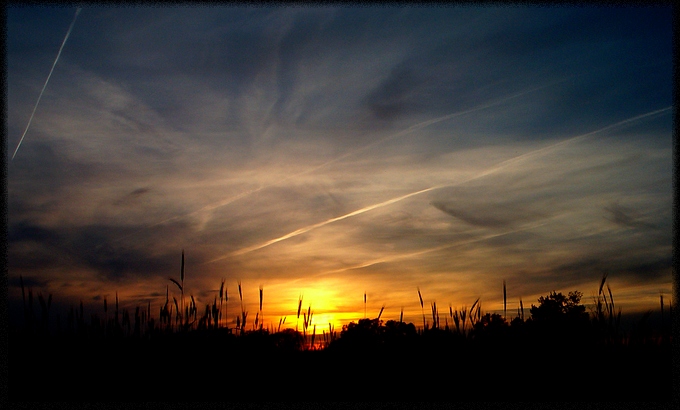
(491, 326)
(288, 340)
(560, 317)
(363, 334)
(557, 307)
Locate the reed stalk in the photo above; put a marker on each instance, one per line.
(181, 277)
(661, 302)
(221, 300)
(298, 312)
(313, 336)
(505, 302)
(116, 312)
(434, 315)
(422, 308)
(226, 307)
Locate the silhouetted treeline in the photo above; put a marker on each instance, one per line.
(560, 352)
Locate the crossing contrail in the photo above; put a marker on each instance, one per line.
(502, 165)
(46, 81)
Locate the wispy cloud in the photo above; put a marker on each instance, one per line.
(400, 145)
(626, 217)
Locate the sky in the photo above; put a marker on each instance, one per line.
(332, 152)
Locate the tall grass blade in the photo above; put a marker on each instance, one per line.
(604, 278)
(505, 302)
(176, 283)
(23, 295)
(422, 308)
(181, 273)
(222, 289)
(364, 304)
(661, 301)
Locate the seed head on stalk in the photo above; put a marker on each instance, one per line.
(298, 312)
(240, 294)
(604, 278)
(221, 299)
(422, 308)
(505, 302)
(261, 315)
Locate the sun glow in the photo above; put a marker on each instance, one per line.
(325, 299)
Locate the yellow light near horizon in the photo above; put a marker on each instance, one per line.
(326, 298)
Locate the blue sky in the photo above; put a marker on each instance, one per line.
(329, 151)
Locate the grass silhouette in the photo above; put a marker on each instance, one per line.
(545, 357)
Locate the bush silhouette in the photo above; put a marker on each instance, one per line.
(491, 327)
(366, 334)
(560, 318)
(288, 340)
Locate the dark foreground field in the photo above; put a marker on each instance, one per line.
(219, 367)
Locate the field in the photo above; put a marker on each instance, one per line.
(560, 353)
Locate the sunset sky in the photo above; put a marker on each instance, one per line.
(328, 152)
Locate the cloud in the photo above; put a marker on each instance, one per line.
(132, 197)
(626, 217)
(89, 246)
(483, 220)
(391, 98)
(313, 136)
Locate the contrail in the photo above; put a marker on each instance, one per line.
(46, 81)
(205, 208)
(320, 224)
(406, 131)
(435, 249)
(498, 167)
(427, 123)
(424, 251)
(552, 147)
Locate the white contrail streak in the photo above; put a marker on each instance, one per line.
(498, 167)
(408, 130)
(571, 140)
(46, 81)
(320, 224)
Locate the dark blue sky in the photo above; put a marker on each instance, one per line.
(335, 150)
